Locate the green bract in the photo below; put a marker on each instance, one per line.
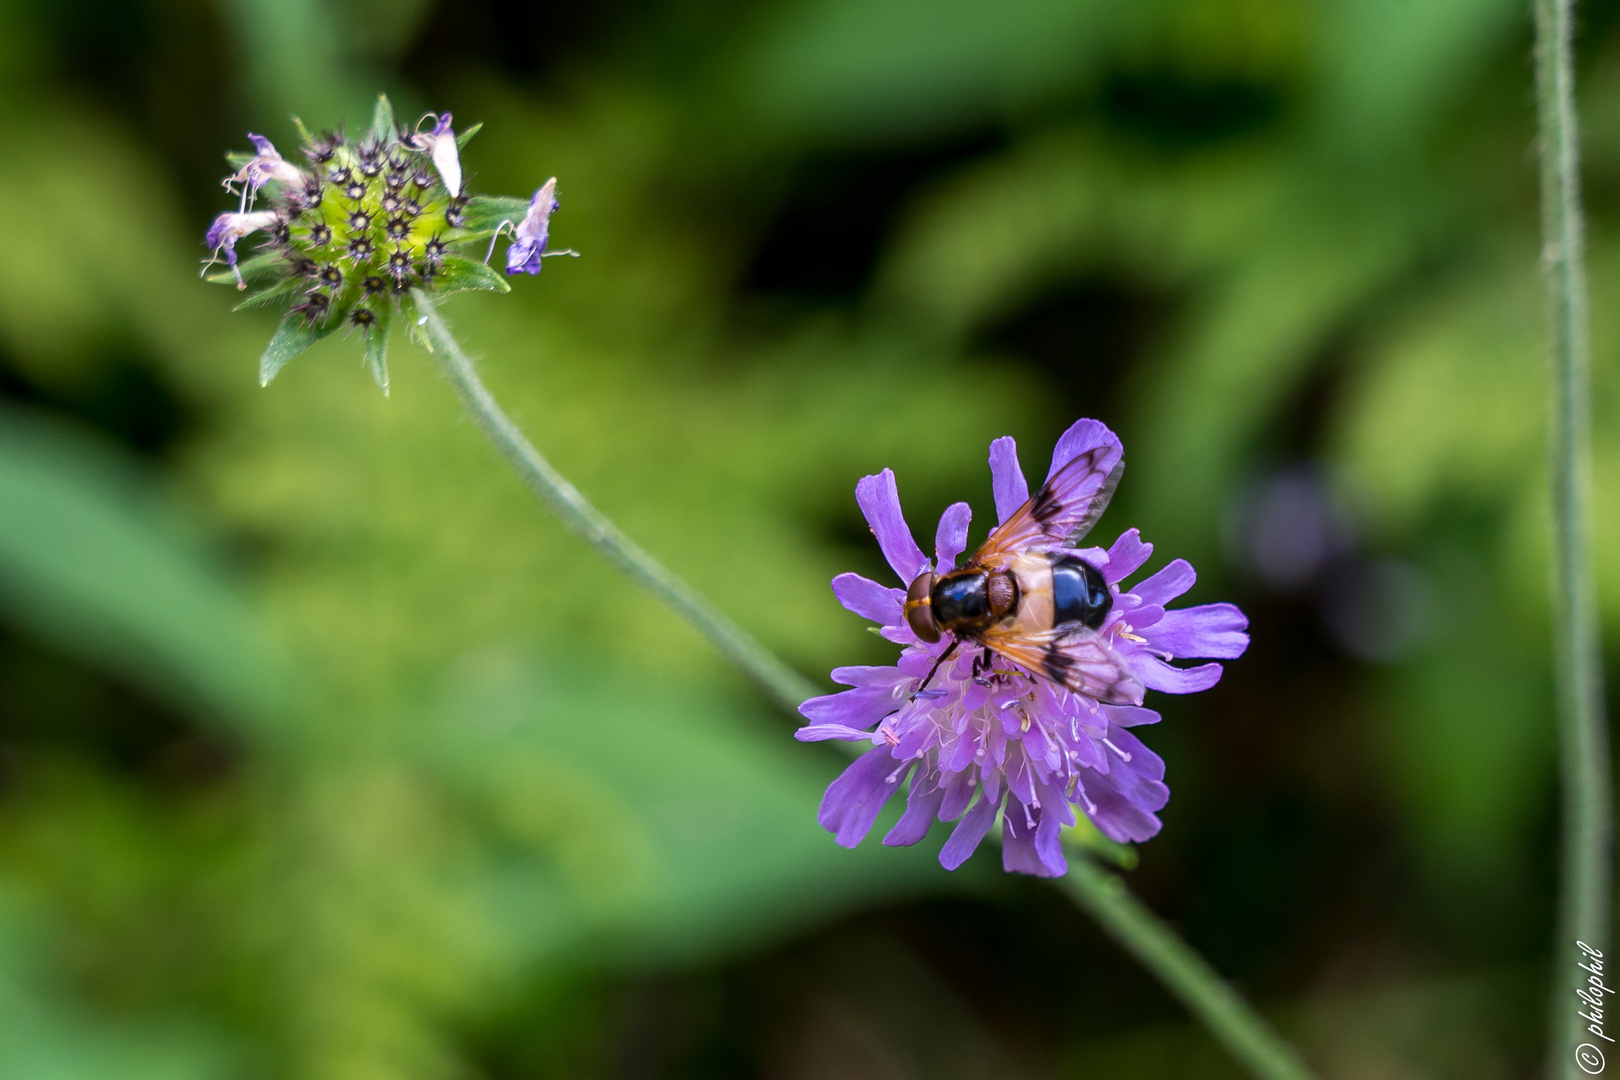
(356, 236)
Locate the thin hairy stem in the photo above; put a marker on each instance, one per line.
(1583, 736)
(784, 685)
(1238, 1027)
(1243, 1032)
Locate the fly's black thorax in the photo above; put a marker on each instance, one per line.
(1079, 593)
(969, 600)
(961, 600)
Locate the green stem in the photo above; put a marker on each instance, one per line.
(1234, 1023)
(784, 685)
(1238, 1027)
(1583, 736)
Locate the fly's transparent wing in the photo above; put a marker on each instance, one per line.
(1062, 511)
(1076, 657)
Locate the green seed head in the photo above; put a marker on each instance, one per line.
(365, 229)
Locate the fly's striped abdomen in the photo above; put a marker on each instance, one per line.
(1033, 572)
(1057, 589)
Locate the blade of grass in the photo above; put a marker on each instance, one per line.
(1586, 866)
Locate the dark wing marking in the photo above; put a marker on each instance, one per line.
(1076, 657)
(1062, 512)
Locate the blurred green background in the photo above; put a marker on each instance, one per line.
(326, 753)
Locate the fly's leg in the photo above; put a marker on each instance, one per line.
(944, 656)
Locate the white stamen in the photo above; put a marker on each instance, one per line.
(502, 227)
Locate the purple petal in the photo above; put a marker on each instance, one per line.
(523, 257)
(1167, 584)
(968, 833)
(1145, 615)
(1126, 556)
(1158, 675)
(823, 732)
(958, 790)
(1020, 778)
(1144, 764)
(1006, 478)
(265, 147)
(887, 676)
(858, 708)
(530, 236)
(218, 231)
(879, 500)
(854, 800)
(1018, 854)
(1129, 715)
(1209, 630)
(868, 599)
(951, 538)
(1049, 838)
(1124, 799)
(1083, 435)
(440, 144)
(921, 806)
(1116, 817)
(1037, 851)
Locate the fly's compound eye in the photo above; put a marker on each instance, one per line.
(919, 608)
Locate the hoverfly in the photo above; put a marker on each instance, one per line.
(1026, 595)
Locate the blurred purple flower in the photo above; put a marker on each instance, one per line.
(529, 242)
(228, 228)
(267, 165)
(975, 743)
(440, 144)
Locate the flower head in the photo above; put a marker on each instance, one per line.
(529, 242)
(988, 735)
(371, 224)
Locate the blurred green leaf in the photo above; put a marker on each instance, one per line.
(51, 1037)
(881, 67)
(91, 559)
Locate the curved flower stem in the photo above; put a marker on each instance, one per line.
(1243, 1032)
(1584, 889)
(1238, 1027)
(784, 685)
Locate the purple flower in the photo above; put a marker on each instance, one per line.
(440, 143)
(529, 241)
(228, 228)
(267, 165)
(980, 740)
